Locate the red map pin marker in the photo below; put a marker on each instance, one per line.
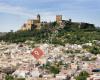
(37, 53)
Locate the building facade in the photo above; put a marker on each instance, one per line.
(32, 23)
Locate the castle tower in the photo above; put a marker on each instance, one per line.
(58, 18)
(38, 18)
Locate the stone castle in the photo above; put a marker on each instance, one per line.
(32, 23)
(36, 23)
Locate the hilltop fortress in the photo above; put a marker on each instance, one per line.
(37, 23)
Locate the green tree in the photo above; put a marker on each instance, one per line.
(82, 76)
(54, 69)
(95, 50)
(9, 77)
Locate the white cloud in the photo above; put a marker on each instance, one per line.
(21, 11)
(72, 8)
(14, 10)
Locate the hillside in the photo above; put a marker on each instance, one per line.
(70, 33)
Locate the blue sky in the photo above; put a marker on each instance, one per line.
(13, 13)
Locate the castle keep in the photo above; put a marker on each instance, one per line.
(32, 23)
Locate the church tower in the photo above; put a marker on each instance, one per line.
(38, 18)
